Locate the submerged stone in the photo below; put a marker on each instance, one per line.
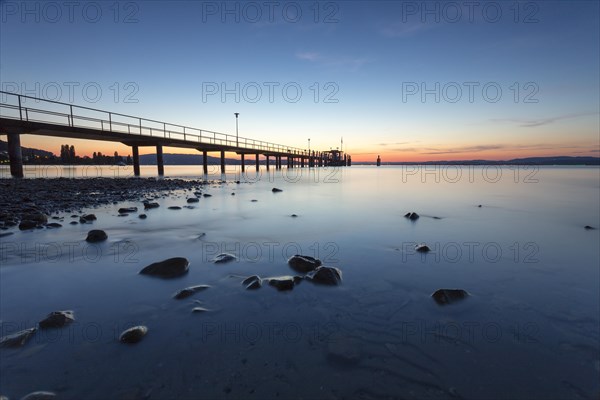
(53, 225)
(133, 335)
(448, 296)
(283, 283)
(276, 190)
(326, 276)
(207, 195)
(26, 225)
(193, 200)
(142, 216)
(587, 227)
(200, 310)
(41, 395)
(17, 339)
(188, 291)
(224, 258)
(303, 264)
(57, 319)
(174, 208)
(95, 236)
(170, 268)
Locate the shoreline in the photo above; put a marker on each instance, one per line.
(39, 198)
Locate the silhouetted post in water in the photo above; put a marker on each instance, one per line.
(378, 161)
(267, 161)
(222, 162)
(278, 162)
(243, 163)
(205, 162)
(15, 156)
(257, 162)
(159, 160)
(349, 161)
(136, 160)
(301, 162)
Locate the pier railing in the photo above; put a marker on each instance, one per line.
(20, 107)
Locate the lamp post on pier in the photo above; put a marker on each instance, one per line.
(237, 142)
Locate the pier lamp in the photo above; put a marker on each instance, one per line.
(237, 143)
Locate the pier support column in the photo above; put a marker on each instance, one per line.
(267, 162)
(291, 160)
(257, 162)
(243, 163)
(14, 155)
(222, 161)
(277, 162)
(301, 162)
(159, 160)
(205, 162)
(135, 150)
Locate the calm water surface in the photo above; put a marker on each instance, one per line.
(529, 330)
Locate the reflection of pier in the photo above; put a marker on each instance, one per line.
(33, 116)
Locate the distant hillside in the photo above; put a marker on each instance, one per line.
(557, 160)
(185, 159)
(27, 151)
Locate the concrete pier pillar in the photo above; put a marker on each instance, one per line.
(257, 162)
(205, 162)
(159, 160)
(301, 162)
(291, 162)
(135, 150)
(243, 163)
(222, 161)
(267, 162)
(14, 155)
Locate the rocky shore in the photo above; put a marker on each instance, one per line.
(41, 198)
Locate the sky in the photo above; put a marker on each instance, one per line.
(407, 80)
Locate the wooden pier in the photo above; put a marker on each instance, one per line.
(20, 115)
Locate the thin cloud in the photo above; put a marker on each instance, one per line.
(332, 61)
(395, 144)
(404, 29)
(531, 123)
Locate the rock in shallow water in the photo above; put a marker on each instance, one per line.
(193, 200)
(283, 283)
(325, 276)
(126, 210)
(134, 334)
(95, 236)
(174, 208)
(57, 319)
(448, 296)
(422, 248)
(589, 228)
(53, 225)
(252, 282)
(200, 310)
(413, 216)
(41, 395)
(17, 339)
(26, 225)
(148, 206)
(224, 258)
(303, 264)
(142, 216)
(170, 268)
(276, 190)
(188, 291)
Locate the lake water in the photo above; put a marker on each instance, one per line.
(528, 330)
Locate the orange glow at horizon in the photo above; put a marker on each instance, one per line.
(366, 154)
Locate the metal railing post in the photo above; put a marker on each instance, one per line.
(72, 122)
(140, 126)
(20, 112)
(109, 122)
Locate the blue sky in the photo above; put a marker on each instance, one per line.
(363, 56)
